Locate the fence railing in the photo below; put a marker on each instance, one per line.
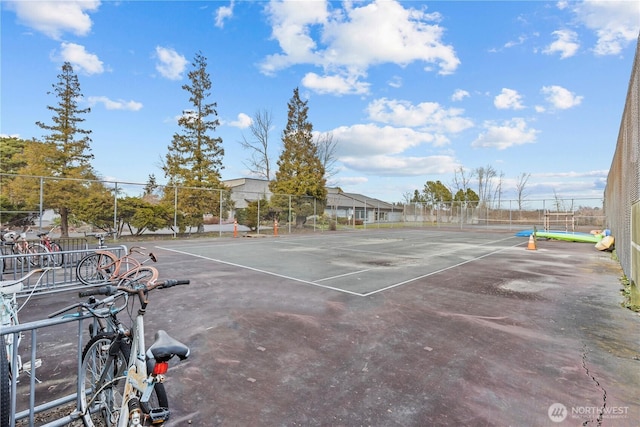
(622, 193)
(60, 279)
(134, 208)
(27, 401)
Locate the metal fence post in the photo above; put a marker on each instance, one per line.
(115, 207)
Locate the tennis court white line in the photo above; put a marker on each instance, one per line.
(246, 267)
(439, 271)
(340, 289)
(343, 275)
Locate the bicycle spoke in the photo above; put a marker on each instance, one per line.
(102, 382)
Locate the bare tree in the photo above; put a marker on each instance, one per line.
(327, 153)
(485, 182)
(497, 195)
(461, 179)
(520, 188)
(259, 163)
(407, 197)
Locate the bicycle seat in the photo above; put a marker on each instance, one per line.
(44, 233)
(11, 235)
(10, 287)
(165, 347)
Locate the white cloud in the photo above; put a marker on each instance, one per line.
(243, 121)
(459, 95)
(346, 181)
(346, 44)
(505, 135)
(508, 99)
(382, 165)
(81, 60)
(566, 44)
(370, 139)
(616, 23)
(561, 98)
(171, 64)
(512, 43)
(53, 18)
(335, 84)
(572, 174)
(115, 105)
(395, 82)
(223, 13)
(429, 116)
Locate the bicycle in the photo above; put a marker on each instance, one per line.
(11, 365)
(100, 237)
(119, 386)
(32, 253)
(104, 266)
(56, 257)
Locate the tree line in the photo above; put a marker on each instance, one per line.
(193, 163)
(489, 189)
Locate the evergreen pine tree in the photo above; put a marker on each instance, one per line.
(194, 158)
(300, 171)
(65, 152)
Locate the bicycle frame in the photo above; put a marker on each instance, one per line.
(139, 383)
(137, 377)
(127, 261)
(9, 317)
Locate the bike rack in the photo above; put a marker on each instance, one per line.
(28, 410)
(58, 280)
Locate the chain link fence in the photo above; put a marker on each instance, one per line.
(247, 206)
(621, 200)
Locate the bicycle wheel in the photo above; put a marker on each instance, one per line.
(38, 254)
(101, 400)
(16, 249)
(56, 256)
(143, 274)
(95, 268)
(5, 387)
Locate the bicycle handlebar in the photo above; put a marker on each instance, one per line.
(93, 305)
(111, 289)
(98, 235)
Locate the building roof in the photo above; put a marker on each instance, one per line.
(336, 198)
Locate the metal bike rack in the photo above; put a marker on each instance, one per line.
(29, 409)
(58, 280)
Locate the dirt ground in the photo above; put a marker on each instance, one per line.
(493, 342)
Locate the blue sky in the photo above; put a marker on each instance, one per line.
(410, 91)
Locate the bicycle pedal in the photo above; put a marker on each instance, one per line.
(26, 366)
(159, 415)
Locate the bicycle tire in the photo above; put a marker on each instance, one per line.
(143, 274)
(15, 249)
(93, 270)
(57, 256)
(5, 387)
(105, 407)
(37, 254)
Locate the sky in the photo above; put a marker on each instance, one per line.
(410, 91)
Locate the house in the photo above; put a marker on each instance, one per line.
(339, 204)
(245, 190)
(359, 207)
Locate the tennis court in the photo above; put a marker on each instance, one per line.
(357, 263)
(388, 327)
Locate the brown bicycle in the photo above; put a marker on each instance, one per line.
(104, 266)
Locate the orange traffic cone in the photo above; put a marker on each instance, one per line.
(532, 243)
